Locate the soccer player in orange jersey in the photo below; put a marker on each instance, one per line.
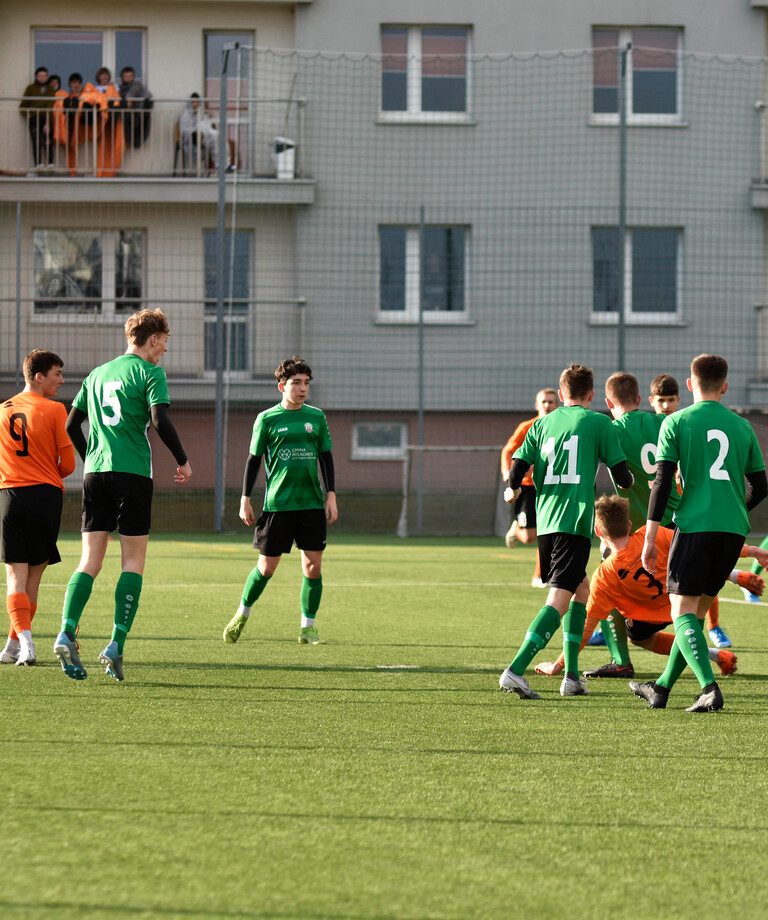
(622, 583)
(524, 514)
(35, 456)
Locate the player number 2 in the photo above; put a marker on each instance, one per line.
(20, 433)
(570, 476)
(110, 401)
(716, 471)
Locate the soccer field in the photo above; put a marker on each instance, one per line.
(381, 776)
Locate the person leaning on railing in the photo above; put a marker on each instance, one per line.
(36, 107)
(137, 100)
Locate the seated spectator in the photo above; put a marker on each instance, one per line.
(109, 143)
(36, 107)
(196, 127)
(137, 99)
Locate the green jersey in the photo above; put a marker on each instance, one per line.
(117, 398)
(291, 440)
(565, 448)
(639, 435)
(714, 449)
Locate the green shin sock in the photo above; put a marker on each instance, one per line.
(756, 567)
(690, 637)
(75, 598)
(311, 592)
(541, 630)
(675, 667)
(573, 630)
(127, 593)
(255, 583)
(615, 632)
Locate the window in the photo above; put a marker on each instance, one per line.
(379, 440)
(443, 263)
(236, 300)
(88, 272)
(651, 274)
(424, 72)
(653, 75)
(66, 51)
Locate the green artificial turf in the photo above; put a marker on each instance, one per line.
(381, 776)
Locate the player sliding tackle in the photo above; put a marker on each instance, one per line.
(564, 448)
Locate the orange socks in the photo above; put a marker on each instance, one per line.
(19, 613)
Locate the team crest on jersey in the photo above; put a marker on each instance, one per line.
(308, 427)
(284, 454)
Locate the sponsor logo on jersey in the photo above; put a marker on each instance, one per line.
(282, 430)
(284, 453)
(308, 427)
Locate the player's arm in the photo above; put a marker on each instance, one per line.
(165, 429)
(252, 467)
(622, 475)
(328, 472)
(518, 469)
(74, 428)
(657, 505)
(506, 457)
(757, 489)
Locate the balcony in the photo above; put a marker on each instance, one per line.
(126, 156)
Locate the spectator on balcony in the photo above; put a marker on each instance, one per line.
(36, 106)
(70, 113)
(194, 121)
(137, 100)
(109, 130)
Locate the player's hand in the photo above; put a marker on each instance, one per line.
(549, 668)
(510, 495)
(183, 473)
(649, 557)
(331, 511)
(751, 581)
(246, 512)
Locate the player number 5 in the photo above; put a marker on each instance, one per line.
(110, 401)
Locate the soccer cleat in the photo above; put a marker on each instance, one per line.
(709, 700)
(719, 638)
(308, 636)
(510, 537)
(749, 596)
(650, 691)
(750, 583)
(514, 683)
(726, 661)
(612, 670)
(11, 651)
(597, 638)
(113, 663)
(574, 687)
(66, 651)
(538, 583)
(235, 626)
(27, 655)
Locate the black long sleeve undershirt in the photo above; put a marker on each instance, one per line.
(253, 465)
(661, 489)
(757, 488)
(74, 428)
(620, 472)
(167, 433)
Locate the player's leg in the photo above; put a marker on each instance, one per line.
(18, 607)
(715, 631)
(573, 629)
(310, 538)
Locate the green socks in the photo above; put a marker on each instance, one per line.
(255, 583)
(615, 632)
(127, 592)
(690, 637)
(573, 630)
(75, 598)
(311, 592)
(541, 630)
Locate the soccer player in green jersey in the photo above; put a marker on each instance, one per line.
(715, 450)
(293, 439)
(119, 399)
(564, 449)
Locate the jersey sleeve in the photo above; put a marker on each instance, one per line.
(81, 399)
(600, 603)
(157, 387)
(528, 449)
(755, 461)
(325, 437)
(667, 448)
(611, 451)
(259, 437)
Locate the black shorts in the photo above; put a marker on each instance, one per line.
(276, 531)
(700, 563)
(117, 501)
(30, 517)
(640, 630)
(564, 558)
(525, 508)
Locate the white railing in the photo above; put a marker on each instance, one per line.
(124, 143)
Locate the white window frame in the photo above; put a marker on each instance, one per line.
(109, 315)
(414, 114)
(108, 47)
(612, 118)
(379, 453)
(644, 319)
(413, 285)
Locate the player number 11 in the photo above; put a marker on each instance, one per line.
(570, 476)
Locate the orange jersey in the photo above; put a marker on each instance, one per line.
(34, 446)
(511, 446)
(622, 583)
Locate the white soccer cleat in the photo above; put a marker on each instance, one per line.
(513, 683)
(10, 653)
(27, 655)
(571, 687)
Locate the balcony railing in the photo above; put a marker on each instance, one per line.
(265, 139)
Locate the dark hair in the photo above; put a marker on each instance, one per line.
(128, 68)
(664, 385)
(102, 70)
(622, 388)
(612, 516)
(144, 323)
(41, 70)
(290, 367)
(195, 96)
(75, 76)
(54, 76)
(576, 381)
(40, 361)
(709, 371)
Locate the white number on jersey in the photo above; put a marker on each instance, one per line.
(716, 471)
(110, 401)
(570, 476)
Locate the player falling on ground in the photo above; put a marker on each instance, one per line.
(524, 512)
(35, 456)
(565, 448)
(621, 583)
(119, 399)
(715, 451)
(665, 400)
(294, 439)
